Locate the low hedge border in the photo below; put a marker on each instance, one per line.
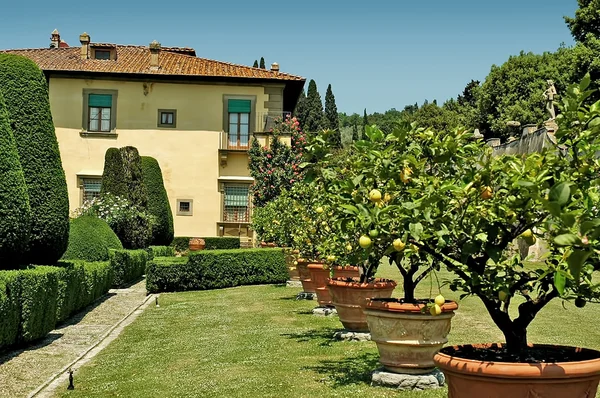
(160, 251)
(215, 269)
(128, 265)
(181, 243)
(34, 300)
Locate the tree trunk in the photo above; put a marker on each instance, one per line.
(516, 340)
(409, 289)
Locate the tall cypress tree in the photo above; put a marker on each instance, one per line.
(365, 120)
(355, 136)
(332, 118)
(301, 111)
(25, 91)
(314, 116)
(262, 63)
(255, 65)
(158, 202)
(15, 213)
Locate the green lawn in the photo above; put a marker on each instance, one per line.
(258, 341)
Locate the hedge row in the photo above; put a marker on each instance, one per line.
(181, 243)
(90, 239)
(216, 269)
(158, 202)
(128, 265)
(160, 251)
(33, 301)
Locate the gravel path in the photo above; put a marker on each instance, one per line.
(23, 371)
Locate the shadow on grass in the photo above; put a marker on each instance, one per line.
(323, 336)
(348, 371)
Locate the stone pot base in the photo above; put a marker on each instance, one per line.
(408, 382)
(324, 311)
(347, 335)
(293, 283)
(305, 296)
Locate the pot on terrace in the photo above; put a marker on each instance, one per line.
(468, 375)
(307, 284)
(406, 334)
(320, 274)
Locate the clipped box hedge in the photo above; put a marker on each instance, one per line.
(215, 269)
(34, 300)
(160, 251)
(128, 265)
(182, 243)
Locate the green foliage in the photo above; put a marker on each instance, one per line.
(355, 134)
(127, 265)
(365, 120)
(331, 117)
(90, 239)
(161, 251)
(255, 65)
(515, 90)
(275, 221)
(262, 63)
(586, 21)
(314, 119)
(123, 178)
(158, 202)
(276, 168)
(25, 92)
(34, 300)
(182, 243)
(9, 308)
(217, 269)
(15, 213)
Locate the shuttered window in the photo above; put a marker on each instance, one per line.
(100, 112)
(236, 203)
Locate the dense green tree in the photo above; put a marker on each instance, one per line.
(15, 213)
(262, 63)
(255, 65)
(355, 135)
(301, 111)
(586, 20)
(90, 239)
(158, 202)
(314, 114)
(365, 120)
(113, 177)
(332, 118)
(134, 177)
(25, 91)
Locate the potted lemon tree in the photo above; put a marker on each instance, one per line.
(470, 220)
(369, 193)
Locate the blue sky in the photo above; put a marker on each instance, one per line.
(376, 54)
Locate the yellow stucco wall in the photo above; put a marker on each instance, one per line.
(188, 155)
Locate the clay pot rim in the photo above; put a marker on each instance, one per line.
(378, 282)
(315, 265)
(511, 370)
(391, 306)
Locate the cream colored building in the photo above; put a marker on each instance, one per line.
(195, 116)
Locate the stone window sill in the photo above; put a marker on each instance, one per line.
(97, 134)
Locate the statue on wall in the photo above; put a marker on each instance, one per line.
(549, 94)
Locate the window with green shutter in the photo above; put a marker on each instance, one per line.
(239, 123)
(236, 203)
(99, 112)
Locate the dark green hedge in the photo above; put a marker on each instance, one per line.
(215, 269)
(34, 300)
(160, 251)
(182, 243)
(25, 92)
(113, 176)
(158, 202)
(128, 265)
(15, 212)
(90, 238)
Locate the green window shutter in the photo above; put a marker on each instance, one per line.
(236, 196)
(102, 100)
(239, 106)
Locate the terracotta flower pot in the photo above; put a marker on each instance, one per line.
(320, 275)
(350, 298)
(476, 378)
(307, 284)
(197, 244)
(406, 337)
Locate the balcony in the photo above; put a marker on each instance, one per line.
(264, 123)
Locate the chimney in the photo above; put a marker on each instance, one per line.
(275, 67)
(55, 39)
(84, 39)
(154, 53)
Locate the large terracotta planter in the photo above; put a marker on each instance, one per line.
(304, 273)
(350, 298)
(408, 338)
(320, 275)
(196, 244)
(476, 378)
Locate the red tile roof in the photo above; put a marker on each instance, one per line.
(173, 61)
